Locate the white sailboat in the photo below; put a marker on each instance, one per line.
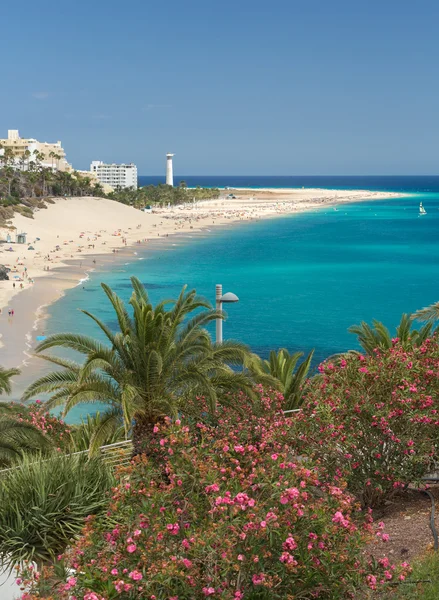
(422, 210)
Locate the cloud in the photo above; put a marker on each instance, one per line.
(153, 106)
(40, 95)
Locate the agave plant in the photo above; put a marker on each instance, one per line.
(378, 336)
(44, 504)
(149, 366)
(280, 367)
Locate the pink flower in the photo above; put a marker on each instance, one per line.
(258, 579)
(339, 519)
(287, 559)
(131, 548)
(136, 575)
(289, 543)
(173, 528)
(114, 571)
(385, 537)
(388, 575)
(274, 456)
(208, 591)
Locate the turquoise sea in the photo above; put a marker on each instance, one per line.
(302, 280)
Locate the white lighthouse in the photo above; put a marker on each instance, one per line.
(169, 173)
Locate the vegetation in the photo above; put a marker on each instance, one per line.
(96, 431)
(225, 496)
(18, 439)
(281, 367)
(5, 379)
(43, 506)
(163, 195)
(429, 313)
(423, 582)
(373, 419)
(150, 366)
(378, 336)
(29, 187)
(235, 517)
(22, 190)
(17, 436)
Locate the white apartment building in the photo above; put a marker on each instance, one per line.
(118, 176)
(23, 149)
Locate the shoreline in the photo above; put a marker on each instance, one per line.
(17, 333)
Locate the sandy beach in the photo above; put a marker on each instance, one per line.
(74, 236)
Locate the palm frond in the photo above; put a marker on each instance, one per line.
(428, 313)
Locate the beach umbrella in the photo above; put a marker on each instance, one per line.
(40, 338)
(31, 248)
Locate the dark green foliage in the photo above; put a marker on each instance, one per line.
(151, 364)
(98, 429)
(43, 505)
(378, 336)
(163, 195)
(281, 368)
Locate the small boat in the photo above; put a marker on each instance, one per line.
(422, 210)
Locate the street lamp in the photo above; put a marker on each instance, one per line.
(221, 299)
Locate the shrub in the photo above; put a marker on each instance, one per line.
(25, 211)
(43, 505)
(224, 511)
(374, 419)
(37, 415)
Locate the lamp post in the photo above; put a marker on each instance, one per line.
(228, 297)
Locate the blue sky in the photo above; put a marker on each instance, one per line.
(280, 87)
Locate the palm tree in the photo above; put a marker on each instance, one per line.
(156, 360)
(16, 437)
(96, 431)
(5, 379)
(280, 367)
(378, 336)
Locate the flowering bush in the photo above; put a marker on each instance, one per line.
(374, 420)
(224, 511)
(37, 415)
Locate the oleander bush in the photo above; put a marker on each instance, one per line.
(224, 511)
(374, 420)
(36, 414)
